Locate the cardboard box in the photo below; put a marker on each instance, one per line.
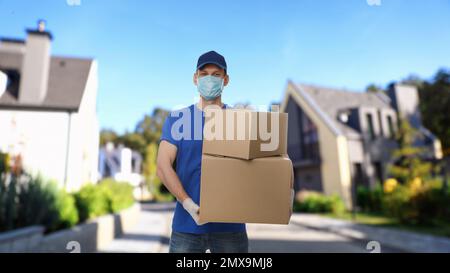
(245, 134)
(246, 191)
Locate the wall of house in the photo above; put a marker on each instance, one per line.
(378, 150)
(41, 138)
(335, 167)
(85, 137)
(308, 178)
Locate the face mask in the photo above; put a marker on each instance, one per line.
(210, 87)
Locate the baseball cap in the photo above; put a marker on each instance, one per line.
(212, 57)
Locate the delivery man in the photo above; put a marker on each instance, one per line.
(184, 144)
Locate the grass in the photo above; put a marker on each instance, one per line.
(378, 220)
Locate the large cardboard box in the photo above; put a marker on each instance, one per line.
(246, 191)
(245, 134)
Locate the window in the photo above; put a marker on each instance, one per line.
(370, 127)
(378, 171)
(380, 122)
(358, 176)
(310, 139)
(391, 127)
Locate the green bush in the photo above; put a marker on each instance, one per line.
(28, 201)
(120, 194)
(370, 200)
(92, 201)
(432, 206)
(318, 203)
(67, 210)
(397, 204)
(108, 196)
(428, 206)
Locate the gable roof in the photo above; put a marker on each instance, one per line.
(66, 85)
(330, 101)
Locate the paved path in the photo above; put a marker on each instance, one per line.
(153, 231)
(148, 235)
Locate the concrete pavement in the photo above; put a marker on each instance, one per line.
(152, 235)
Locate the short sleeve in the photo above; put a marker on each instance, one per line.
(166, 133)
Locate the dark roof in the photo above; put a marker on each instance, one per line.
(67, 81)
(331, 101)
(12, 40)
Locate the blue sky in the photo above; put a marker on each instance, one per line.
(147, 50)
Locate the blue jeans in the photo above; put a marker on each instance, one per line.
(217, 242)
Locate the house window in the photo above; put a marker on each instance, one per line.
(358, 176)
(380, 122)
(370, 127)
(378, 171)
(310, 140)
(391, 127)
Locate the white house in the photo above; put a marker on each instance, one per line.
(48, 110)
(121, 164)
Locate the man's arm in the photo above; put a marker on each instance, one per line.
(166, 156)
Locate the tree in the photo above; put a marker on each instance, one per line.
(413, 80)
(372, 88)
(108, 135)
(133, 141)
(150, 167)
(408, 164)
(150, 126)
(435, 106)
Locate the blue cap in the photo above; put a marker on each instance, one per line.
(212, 57)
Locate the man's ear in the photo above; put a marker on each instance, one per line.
(194, 78)
(226, 80)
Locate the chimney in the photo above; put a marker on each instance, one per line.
(405, 99)
(35, 65)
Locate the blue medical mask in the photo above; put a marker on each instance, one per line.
(210, 87)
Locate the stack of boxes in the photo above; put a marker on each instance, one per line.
(246, 175)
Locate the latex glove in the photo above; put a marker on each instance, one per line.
(192, 209)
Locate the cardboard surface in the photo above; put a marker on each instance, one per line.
(245, 134)
(246, 191)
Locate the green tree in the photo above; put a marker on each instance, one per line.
(134, 141)
(149, 168)
(408, 163)
(435, 106)
(150, 126)
(108, 135)
(372, 88)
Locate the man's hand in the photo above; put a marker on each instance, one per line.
(193, 209)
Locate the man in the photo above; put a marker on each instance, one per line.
(188, 235)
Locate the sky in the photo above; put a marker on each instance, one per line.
(147, 50)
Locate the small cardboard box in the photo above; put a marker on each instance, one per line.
(246, 191)
(245, 134)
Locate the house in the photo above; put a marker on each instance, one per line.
(121, 164)
(339, 139)
(48, 109)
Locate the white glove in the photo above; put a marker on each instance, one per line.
(192, 209)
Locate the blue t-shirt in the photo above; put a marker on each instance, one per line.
(184, 129)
